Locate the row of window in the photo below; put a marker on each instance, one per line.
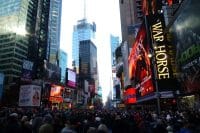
(10, 66)
(9, 6)
(12, 73)
(10, 60)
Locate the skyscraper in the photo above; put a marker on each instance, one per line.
(54, 31)
(114, 41)
(82, 31)
(15, 22)
(63, 64)
(27, 32)
(88, 65)
(130, 14)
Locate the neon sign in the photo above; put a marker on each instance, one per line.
(160, 51)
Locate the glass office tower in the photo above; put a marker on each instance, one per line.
(82, 31)
(54, 31)
(88, 65)
(23, 35)
(114, 41)
(15, 16)
(63, 64)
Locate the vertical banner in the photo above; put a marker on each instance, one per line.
(139, 64)
(163, 53)
(27, 68)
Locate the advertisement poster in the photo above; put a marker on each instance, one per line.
(29, 95)
(56, 93)
(186, 31)
(27, 69)
(130, 96)
(71, 78)
(139, 64)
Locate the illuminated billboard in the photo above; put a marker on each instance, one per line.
(139, 64)
(164, 54)
(27, 70)
(71, 78)
(30, 95)
(130, 96)
(186, 30)
(56, 93)
(151, 7)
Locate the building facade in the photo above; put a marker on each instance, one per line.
(88, 64)
(130, 15)
(82, 31)
(26, 28)
(63, 64)
(114, 42)
(54, 31)
(15, 21)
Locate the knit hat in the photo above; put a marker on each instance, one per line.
(103, 128)
(67, 130)
(46, 128)
(14, 114)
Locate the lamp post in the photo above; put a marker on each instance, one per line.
(152, 56)
(156, 87)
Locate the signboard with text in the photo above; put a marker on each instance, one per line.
(130, 96)
(139, 64)
(30, 95)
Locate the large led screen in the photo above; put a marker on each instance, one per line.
(30, 95)
(186, 30)
(139, 64)
(71, 78)
(130, 96)
(56, 93)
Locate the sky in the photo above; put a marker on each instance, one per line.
(105, 13)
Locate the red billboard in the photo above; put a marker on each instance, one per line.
(151, 7)
(56, 93)
(139, 64)
(130, 96)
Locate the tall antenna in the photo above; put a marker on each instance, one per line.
(84, 8)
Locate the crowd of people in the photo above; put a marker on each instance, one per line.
(19, 120)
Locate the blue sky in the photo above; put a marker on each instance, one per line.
(105, 13)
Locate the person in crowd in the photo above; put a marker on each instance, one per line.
(14, 120)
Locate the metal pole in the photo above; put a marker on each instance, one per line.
(157, 91)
